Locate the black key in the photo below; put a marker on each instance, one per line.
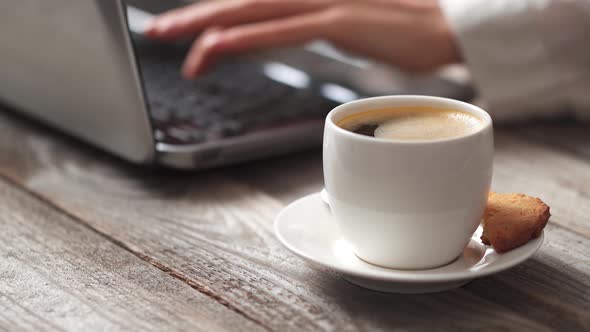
(158, 112)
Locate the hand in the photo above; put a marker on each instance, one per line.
(411, 34)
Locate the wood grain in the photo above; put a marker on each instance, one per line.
(560, 179)
(57, 274)
(214, 231)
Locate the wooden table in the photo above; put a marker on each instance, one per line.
(88, 242)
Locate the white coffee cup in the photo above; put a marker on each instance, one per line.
(407, 204)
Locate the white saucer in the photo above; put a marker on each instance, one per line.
(306, 228)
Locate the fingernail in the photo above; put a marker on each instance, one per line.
(161, 27)
(189, 70)
(187, 75)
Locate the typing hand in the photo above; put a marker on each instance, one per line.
(410, 34)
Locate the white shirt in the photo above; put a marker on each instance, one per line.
(526, 57)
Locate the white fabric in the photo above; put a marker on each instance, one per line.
(526, 57)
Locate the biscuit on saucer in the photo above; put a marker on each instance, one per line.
(511, 220)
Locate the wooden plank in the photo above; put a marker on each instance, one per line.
(553, 287)
(284, 178)
(57, 274)
(216, 234)
(561, 179)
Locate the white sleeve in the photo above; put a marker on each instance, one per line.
(526, 57)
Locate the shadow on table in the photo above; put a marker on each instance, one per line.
(566, 134)
(531, 295)
(30, 149)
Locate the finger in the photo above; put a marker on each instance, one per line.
(195, 63)
(158, 24)
(280, 32)
(190, 20)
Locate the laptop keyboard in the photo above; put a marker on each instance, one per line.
(232, 99)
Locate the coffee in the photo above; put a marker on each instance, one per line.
(412, 123)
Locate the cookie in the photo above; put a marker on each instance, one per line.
(511, 220)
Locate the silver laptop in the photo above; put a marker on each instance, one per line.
(84, 67)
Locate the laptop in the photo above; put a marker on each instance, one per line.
(85, 68)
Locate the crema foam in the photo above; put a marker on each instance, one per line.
(412, 123)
